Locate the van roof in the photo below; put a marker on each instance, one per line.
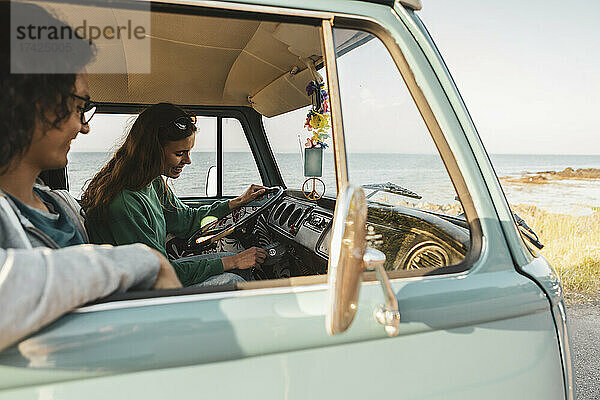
(412, 4)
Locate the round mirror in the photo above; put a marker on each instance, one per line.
(348, 244)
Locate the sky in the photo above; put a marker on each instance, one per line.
(527, 70)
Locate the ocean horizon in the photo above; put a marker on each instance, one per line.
(420, 173)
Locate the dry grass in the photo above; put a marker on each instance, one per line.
(572, 246)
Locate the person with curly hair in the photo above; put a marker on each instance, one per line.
(128, 201)
(46, 267)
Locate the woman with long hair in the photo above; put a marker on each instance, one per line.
(129, 201)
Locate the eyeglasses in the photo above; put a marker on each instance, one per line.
(88, 110)
(184, 121)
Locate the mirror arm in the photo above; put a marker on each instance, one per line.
(388, 314)
(208, 190)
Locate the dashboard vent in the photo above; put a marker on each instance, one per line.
(278, 211)
(295, 217)
(428, 255)
(286, 214)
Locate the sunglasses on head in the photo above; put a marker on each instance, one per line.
(184, 122)
(88, 110)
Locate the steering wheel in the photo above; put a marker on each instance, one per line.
(209, 234)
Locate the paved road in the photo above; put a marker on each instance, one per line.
(584, 328)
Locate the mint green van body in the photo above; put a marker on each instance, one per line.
(496, 330)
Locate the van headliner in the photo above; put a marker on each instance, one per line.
(212, 61)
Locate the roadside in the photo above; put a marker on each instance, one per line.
(571, 246)
(584, 329)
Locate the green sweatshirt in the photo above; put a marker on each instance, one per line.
(146, 216)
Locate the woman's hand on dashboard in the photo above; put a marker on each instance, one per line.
(252, 257)
(253, 192)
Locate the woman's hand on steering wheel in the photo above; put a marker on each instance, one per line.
(252, 193)
(212, 232)
(252, 257)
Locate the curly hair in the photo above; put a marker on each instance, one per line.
(30, 99)
(138, 161)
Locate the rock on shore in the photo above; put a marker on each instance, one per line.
(549, 176)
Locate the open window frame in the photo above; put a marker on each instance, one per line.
(267, 166)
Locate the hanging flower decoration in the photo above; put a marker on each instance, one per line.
(317, 119)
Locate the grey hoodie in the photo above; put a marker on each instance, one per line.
(39, 283)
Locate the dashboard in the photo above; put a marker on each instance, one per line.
(410, 238)
(304, 222)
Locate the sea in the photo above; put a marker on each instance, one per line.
(423, 174)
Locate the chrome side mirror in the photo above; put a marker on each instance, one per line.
(345, 267)
(210, 190)
(349, 256)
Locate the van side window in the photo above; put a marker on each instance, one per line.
(91, 152)
(192, 181)
(239, 167)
